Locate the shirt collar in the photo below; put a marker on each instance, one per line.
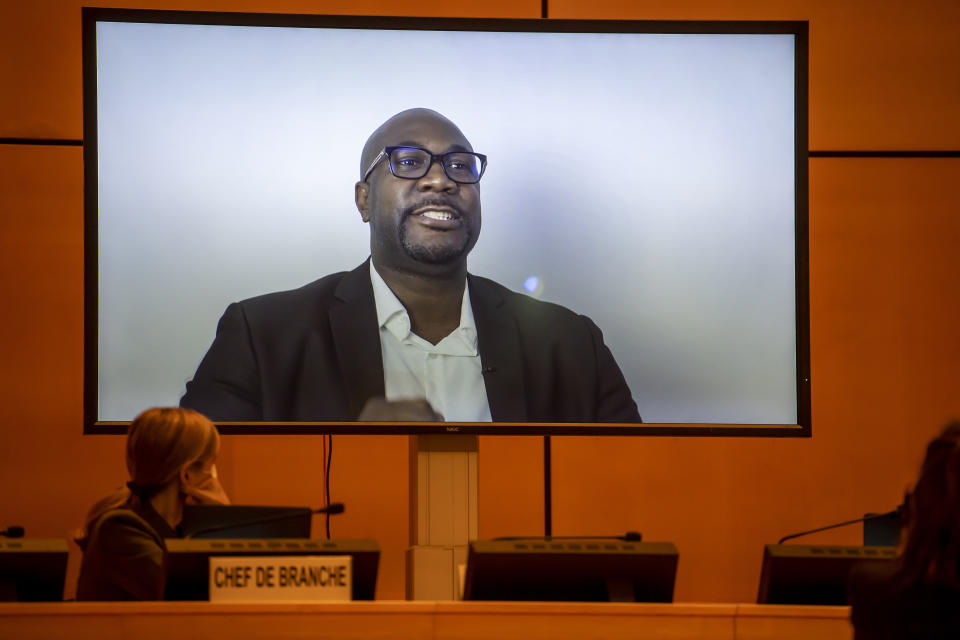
(393, 316)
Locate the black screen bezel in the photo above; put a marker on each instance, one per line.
(91, 16)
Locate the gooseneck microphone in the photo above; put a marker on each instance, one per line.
(889, 514)
(12, 532)
(331, 509)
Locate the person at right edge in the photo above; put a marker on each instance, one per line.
(171, 457)
(918, 595)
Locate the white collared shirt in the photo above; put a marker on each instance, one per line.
(448, 374)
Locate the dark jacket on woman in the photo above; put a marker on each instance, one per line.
(124, 557)
(882, 607)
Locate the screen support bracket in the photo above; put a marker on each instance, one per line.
(443, 514)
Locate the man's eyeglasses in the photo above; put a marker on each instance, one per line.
(413, 163)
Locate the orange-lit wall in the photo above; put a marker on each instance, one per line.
(885, 312)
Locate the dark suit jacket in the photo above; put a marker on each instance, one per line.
(124, 557)
(313, 354)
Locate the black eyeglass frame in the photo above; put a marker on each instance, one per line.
(386, 152)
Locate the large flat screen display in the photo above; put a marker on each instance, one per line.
(648, 176)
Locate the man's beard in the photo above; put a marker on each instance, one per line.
(441, 253)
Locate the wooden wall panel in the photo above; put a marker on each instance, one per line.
(882, 73)
(49, 473)
(40, 67)
(511, 486)
(885, 349)
(41, 342)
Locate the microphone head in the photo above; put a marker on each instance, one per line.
(333, 508)
(12, 532)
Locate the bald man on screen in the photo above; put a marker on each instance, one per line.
(410, 335)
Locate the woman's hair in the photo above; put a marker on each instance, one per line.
(160, 442)
(931, 552)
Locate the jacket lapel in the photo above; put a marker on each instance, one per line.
(498, 340)
(356, 338)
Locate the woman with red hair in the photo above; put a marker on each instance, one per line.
(171, 458)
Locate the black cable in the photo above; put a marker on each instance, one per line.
(55, 142)
(944, 153)
(326, 480)
(547, 489)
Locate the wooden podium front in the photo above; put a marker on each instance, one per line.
(421, 621)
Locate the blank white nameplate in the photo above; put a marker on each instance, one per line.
(280, 578)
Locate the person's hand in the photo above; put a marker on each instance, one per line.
(413, 410)
(204, 488)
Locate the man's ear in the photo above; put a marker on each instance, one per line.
(360, 192)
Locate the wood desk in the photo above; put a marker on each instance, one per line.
(420, 621)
